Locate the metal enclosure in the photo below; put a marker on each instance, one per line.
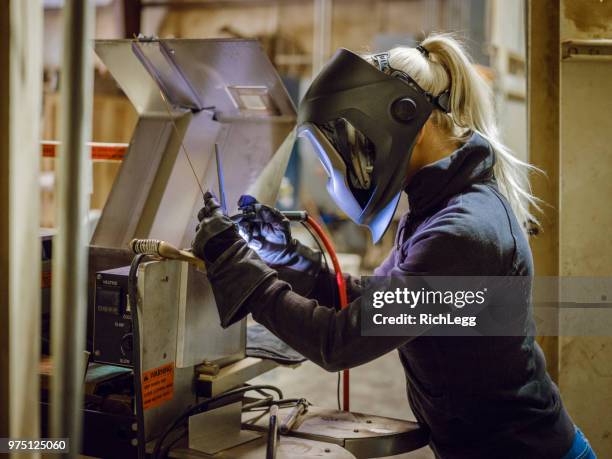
(166, 301)
(191, 93)
(221, 91)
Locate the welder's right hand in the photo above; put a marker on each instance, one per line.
(268, 232)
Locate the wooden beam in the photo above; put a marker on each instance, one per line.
(132, 10)
(4, 219)
(20, 108)
(543, 54)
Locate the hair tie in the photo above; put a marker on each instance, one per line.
(423, 51)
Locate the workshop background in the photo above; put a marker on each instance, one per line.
(552, 103)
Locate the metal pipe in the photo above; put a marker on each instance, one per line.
(69, 288)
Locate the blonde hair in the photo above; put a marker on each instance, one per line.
(448, 65)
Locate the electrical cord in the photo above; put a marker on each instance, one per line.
(136, 364)
(343, 297)
(338, 391)
(265, 403)
(200, 408)
(333, 288)
(175, 441)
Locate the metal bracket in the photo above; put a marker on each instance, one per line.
(596, 49)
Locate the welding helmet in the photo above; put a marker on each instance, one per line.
(362, 121)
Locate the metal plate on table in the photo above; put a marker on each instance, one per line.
(362, 434)
(288, 448)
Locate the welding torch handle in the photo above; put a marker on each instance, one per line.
(162, 249)
(296, 215)
(291, 215)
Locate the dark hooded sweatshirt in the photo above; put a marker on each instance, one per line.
(480, 397)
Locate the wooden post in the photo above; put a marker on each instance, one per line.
(69, 286)
(20, 109)
(543, 56)
(585, 217)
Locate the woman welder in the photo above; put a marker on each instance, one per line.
(418, 120)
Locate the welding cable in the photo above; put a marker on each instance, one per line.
(343, 297)
(136, 364)
(202, 407)
(324, 256)
(178, 438)
(264, 403)
(338, 391)
(333, 293)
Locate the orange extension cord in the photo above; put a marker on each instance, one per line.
(343, 297)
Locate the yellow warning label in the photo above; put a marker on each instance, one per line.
(157, 386)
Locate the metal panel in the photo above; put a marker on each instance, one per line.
(200, 336)
(158, 61)
(134, 183)
(212, 66)
(155, 193)
(159, 287)
(131, 75)
(180, 326)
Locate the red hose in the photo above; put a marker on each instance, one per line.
(343, 297)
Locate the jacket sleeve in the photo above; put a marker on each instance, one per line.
(332, 338)
(325, 290)
(329, 337)
(323, 287)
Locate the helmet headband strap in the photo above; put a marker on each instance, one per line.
(441, 101)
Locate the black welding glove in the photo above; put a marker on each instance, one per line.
(233, 269)
(268, 232)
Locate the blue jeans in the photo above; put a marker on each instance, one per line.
(581, 449)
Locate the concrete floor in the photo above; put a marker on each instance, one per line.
(376, 388)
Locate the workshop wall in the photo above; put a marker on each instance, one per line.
(113, 115)
(585, 217)
(114, 119)
(286, 29)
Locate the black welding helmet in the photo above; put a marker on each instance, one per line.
(362, 121)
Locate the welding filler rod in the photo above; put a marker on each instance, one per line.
(162, 249)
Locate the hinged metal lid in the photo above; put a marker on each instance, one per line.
(194, 93)
(233, 77)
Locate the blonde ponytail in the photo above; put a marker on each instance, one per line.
(471, 110)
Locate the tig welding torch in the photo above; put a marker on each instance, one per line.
(291, 215)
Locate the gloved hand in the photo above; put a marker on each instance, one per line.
(213, 224)
(233, 269)
(268, 232)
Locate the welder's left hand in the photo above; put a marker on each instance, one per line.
(233, 269)
(215, 232)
